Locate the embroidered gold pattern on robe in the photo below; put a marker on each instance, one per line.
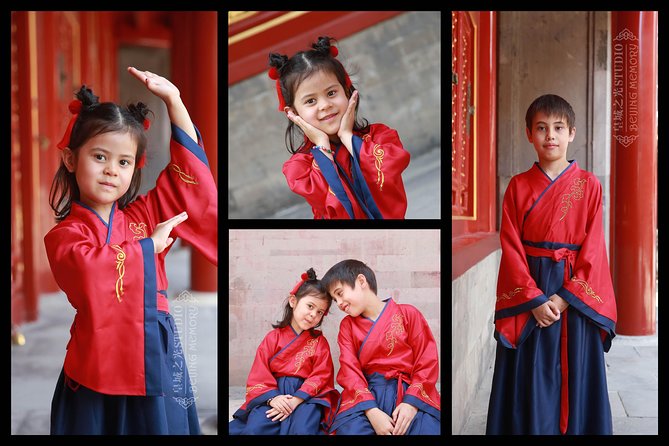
(120, 267)
(139, 230)
(576, 193)
(314, 385)
(254, 387)
(509, 295)
(396, 329)
(423, 393)
(378, 161)
(586, 287)
(307, 351)
(183, 175)
(355, 397)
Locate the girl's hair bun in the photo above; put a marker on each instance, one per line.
(311, 274)
(87, 98)
(277, 62)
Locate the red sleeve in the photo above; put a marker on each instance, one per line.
(517, 292)
(261, 381)
(425, 372)
(305, 179)
(350, 375)
(590, 289)
(186, 184)
(382, 161)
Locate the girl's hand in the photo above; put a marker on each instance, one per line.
(318, 137)
(345, 132)
(280, 408)
(546, 314)
(403, 414)
(381, 422)
(157, 85)
(160, 236)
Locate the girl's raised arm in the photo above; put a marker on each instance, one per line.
(170, 94)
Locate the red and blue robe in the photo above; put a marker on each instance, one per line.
(366, 186)
(384, 363)
(552, 380)
(118, 285)
(288, 363)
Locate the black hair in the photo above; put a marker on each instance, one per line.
(346, 272)
(551, 105)
(311, 287)
(96, 118)
(294, 70)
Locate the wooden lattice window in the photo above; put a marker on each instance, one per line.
(462, 115)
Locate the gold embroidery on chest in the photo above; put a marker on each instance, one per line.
(254, 387)
(509, 295)
(378, 161)
(307, 351)
(576, 193)
(423, 393)
(139, 229)
(183, 175)
(586, 287)
(355, 397)
(120, 267)
(396, 329)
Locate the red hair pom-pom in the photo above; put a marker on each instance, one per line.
(141, 162)
(146, 124)
(334, 52)
(74, 106)
(273, 73)
(304, 276)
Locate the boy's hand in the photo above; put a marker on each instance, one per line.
(403, 415)
(546, 314)
(381, 422)
(560, 302)
(156, 84)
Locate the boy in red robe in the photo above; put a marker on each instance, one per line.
(389, 363)
(555, 313)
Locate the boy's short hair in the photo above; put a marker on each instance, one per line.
(346, 272)
(552, 105)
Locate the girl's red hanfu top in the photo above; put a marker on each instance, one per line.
(367, 185)
(116, 283)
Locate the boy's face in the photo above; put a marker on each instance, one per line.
(550, 136)
(349, 300)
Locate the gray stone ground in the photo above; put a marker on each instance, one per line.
(35, 367)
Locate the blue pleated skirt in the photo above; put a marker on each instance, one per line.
(77, 410)
(525, 396)
(355, 422)
(305, 419)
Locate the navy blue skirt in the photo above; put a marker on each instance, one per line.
(305, 419)
(77, 410)
(354, 422)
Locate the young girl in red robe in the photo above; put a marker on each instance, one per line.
(124, 370)
(555, 313)
(344, 168)
(290, 389)
(389, 364)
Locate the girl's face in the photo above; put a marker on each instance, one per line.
(307, 312)
(321, 101)
(103, 168)
(550, 136)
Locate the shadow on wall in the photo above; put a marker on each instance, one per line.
(396, 66)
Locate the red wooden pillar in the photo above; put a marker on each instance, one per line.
(195, 66)
(634, 169)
